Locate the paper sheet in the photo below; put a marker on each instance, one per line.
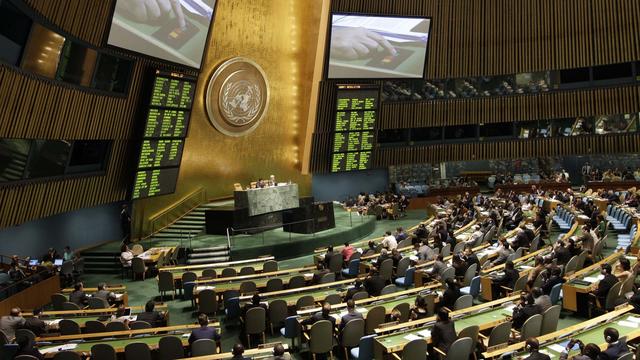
(628, 324)
(590, 279)
(361, 310)
(412, 337)
(557, 348)
(65, 347)
(633, 319)
(425, 333)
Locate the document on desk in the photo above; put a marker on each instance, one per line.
(412, 337)
(557, 348)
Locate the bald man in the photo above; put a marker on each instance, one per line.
(10, 323)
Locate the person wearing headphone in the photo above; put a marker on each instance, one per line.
(615, 346)
(587, 352)
(533, 348)
(605, 284)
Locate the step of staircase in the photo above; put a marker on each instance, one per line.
(208, 260)
(200, 255)
(211, 248)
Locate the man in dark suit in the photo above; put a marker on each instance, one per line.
(321, 270)
(237, 352)
(78, 296)
(508, 280)
(533, 347)
(561, 253)
(615, 346)
(34, 323)
(450, 295)
(552, 281)
(374, 283)
(255, 303)
(324, 314)
(328, 255)
(605, 284)
(470, 257)
(526, 309)
(357, 287)
(155, 318)
(443, 334)
(279, 353)
(105, 294)
(350, 315)
(204, 332)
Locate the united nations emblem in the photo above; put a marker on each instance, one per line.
(237, 97)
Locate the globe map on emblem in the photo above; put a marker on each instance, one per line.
(237, 97)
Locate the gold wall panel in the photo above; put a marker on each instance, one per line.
(281, 36)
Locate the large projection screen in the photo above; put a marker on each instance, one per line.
(377, 47)
(171, 30)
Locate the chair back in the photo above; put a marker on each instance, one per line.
(209, 273)
(500, 334)
(274, 284)
(470, 332)
(474, 287)
(137, 266)
(98, 303)
(460, 349)
(57, 300)
(520, 283)
(538, 281)
(572, 266)
(627, 286)
(448, 273)
(68, 327)
(297, 281)
(278, 312)
(247, 270)
(375, 317)
(414, 349)
(165, 281)
(103, 352)
(446, 250)
(405, 310)
(535, 244)
(202, 347)
(115, 326)
(232, 308)
(459, 247)
(554, 295)
(531, 327)
(67, 355)
(94, 326)
(321, 337)
(463, 302)
(70, 306)
(365, 347)
(207, 301)
(612, 296)
(333, 299)
(291, 327)
(304, 301)
(409, 277)
(189, 276)
(328, 278)
(26, 333)
(360, 295)
(335, 263)
(550, 320)
(352, 332)
(270, 266)
(228, 272)
(187, 290)
(354, 267)
(255, 321)
(403, 265)
(469, 274)
(139, 325)
(248, 287)
(389, 289)
(386, 269)
(24, 357)
(582, 257)
(627, 356)
(137, 351)
(404, 243)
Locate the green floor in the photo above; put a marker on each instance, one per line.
(180, 313)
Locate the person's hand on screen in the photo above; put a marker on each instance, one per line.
(354, 43)
(145, 11)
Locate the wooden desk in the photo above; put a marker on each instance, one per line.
(291, 296)
(257, 262)
(152, 255)
(117, 288)
(34, 296)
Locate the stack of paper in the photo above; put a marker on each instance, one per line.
(557, 348)
(412, 337)
(629, 324)
(590, 279)
(425, 333)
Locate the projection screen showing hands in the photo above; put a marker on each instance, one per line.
(172, 30)
(377, 47)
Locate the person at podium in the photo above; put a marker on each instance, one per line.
(272, 180)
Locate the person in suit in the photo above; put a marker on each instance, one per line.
(587, 352)
(443, 334)
(503, 253)
(25, 347)
(371, 249)
(438, 268)
(425, 252)
(420, 308)
(350, 315)
(374, 283)
(324, 314)
(10, 323)
(78, 295)
(450, 295)
(533, 348)
(470, 257)
(34, 323)
(321, 270)
(357, 287)
(508, 280)
(237, 352)
(155, 318)
(255, 302)
(524, 310)
(105, 294)
(553, 280)
(279, 353)
(328, 255)
(384, 255)
(561, 253)
(605, 284)
(542, 300)
(396, 257)
(205, 332)
(616, 347)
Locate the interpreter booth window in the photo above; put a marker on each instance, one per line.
(615, 124)
(14, 154)
(460, 133)
(527, 129)
(583, 126)
(112, 73)
(393, 136)
(502, 130)
(561, 127)
(48, 158)
(426, 135)
(77, 63)
(14, 32)
(613, 72)
(88, 156)
(42, 53)
(533, 83)
(545, 129)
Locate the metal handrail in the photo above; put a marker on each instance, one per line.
(177, 211)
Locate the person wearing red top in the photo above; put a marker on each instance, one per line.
(347, 251)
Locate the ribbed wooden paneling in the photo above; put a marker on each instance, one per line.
(497, 37)
(88, 20)
(626, 143)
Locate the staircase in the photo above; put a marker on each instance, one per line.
(188, 227)
(206, 255)
(13, 163)
(101, 262)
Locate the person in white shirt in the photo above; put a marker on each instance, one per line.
(126, 256)
(389, 242)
